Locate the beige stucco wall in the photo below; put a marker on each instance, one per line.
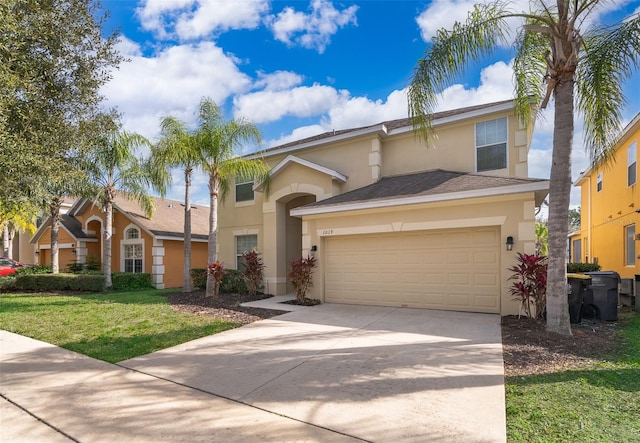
(514, 215)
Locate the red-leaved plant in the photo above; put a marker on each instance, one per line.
(216, 270)
(530, 285)
(253, 271)
(301, 276)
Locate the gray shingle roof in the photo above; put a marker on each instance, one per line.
(425, 183)
(389, 124)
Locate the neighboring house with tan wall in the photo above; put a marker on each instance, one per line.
(392, 220)
(139, 244)
(610, 209)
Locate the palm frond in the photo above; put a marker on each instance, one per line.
(450, 54)
(609, 57)
(529, 68)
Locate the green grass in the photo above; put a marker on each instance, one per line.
(111, 327)
(599, 404)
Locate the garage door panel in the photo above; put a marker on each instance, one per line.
(454, 269)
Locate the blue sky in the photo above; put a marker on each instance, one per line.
(301, 67)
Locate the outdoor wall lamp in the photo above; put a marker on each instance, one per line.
(313, 250)
(37, 251)
(74, 252)
(509, 243)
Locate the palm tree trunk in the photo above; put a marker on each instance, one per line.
(108, 229)
(54, 212)
(214, 187)
(6, 246)
(186, 284)
(559, 197)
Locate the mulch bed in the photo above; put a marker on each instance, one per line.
(224, 307)
(527, 347)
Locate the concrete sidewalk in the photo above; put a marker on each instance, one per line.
(70, 397)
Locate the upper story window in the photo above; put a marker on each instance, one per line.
(244, 190)
(132, 233)
(599, 182)
(491, 145)
(632, 164)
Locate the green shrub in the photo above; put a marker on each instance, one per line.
(60, 282)
(93, 264)
(7, 284)
(233, 281)
(37, 269)
(199, 278)
(75, 267)
(129, 280)
(583, 267)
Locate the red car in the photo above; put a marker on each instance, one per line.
(8, 266)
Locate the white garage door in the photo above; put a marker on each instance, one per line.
(453, 269)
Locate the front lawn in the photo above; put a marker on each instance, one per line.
(111, 327)
(598, 403)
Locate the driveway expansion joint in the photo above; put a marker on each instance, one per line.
(41, 420)
(204, 391)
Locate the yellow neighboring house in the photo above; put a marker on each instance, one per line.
(610, 210)
(390, 220)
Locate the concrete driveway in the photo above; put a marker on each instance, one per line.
(326, 373)
(375, 373)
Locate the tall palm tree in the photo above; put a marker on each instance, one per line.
(178, 147)
(555, 58)
(117, 171)
(217, 142)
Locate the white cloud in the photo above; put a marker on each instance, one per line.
(312, 30)
(444, 13)
(171, 82)
(278, 80)
(192, 19)
(303, 101)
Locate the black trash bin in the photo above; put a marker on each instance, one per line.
(604, 285)
(576, 288)
(637, 292)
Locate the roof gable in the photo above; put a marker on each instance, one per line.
(291, 159)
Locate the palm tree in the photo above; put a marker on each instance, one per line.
(117, 171)
(179, 148)
(555, 58)
(217, 141)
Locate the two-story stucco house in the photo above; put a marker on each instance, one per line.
(610, 209)
(393, 220)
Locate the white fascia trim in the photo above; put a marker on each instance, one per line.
(458, 117)
(489, 192)
(377, 129)
(335, 175)
(166, 237)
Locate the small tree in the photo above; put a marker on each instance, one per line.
(301, 275)
(216, 271)
(530, 285)
(253, 271)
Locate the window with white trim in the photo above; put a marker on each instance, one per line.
(244, 190)
(630, 245)
(244, 243)
(632, 164)
(132, 250)
(491, 145)
(599, 182)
